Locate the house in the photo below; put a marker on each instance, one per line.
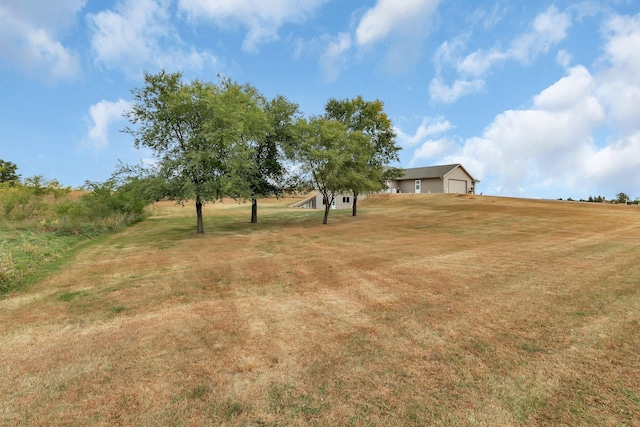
(431, 179)
(434, 179)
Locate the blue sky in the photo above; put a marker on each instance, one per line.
(535, 98)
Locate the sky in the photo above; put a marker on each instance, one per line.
(536, 99)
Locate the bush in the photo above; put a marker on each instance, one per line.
(37, 228)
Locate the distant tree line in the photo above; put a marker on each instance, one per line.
(622, 198)
(215, 141)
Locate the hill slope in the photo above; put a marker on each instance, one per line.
(424, 309)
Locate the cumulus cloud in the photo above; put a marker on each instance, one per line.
(103, 115)
(263, 19)
(136, 35)
(29, 36)
(550, 140)
(552, 143)
(620, 80)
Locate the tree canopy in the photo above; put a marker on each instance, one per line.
(8, 172)
(198, 133)
(268, 173)
(212, 141)
(369, 166)
(325, 155)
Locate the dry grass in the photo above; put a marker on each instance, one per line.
(423, 310)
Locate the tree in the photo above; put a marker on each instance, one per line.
(268, 173)
(622, 198)
(369, 165)
(325, 153)
(8, 172)
(197, 133)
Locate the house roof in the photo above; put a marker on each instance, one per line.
(432, 172)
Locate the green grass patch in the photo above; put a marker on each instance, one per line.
(72, 295)
(26, 255)
(117, 309)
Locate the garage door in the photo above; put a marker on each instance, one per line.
(457, 186)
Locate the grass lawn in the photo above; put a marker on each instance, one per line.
(422, 310)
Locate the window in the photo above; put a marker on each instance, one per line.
(345, 199)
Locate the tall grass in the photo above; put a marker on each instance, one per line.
(41, 222)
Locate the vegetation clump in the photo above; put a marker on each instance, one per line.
(42, 220)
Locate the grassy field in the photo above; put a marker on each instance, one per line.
(423, 310)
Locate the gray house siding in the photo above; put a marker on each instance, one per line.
(458, 181)
(435, 179)
(433, 185)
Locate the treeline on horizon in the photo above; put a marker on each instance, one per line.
(621, 198)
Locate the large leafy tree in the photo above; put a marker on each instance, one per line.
(369, 167)
(268, 173)
(198, 133)
(325, 152)
(8, 172)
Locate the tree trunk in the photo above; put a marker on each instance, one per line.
(254, 211)
(354, 208)
(200, 224)
(327, 207)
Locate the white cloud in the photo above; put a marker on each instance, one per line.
(404, 24)
(262, 18)
(448, 52)
(332, 58)
(547, 29)
(394, 16)
(137, 35)
(615, 167)
(29, 36)
(620, 81)
(441, 92)
(564, 58)
(554, 144)
(103, 114)
(431, 149)
(479, 62)
(428, 127)
(548, 145)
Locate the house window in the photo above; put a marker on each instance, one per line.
(345, 199)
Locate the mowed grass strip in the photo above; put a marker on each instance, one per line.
(422, 310)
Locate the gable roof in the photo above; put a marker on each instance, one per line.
(432, 172)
